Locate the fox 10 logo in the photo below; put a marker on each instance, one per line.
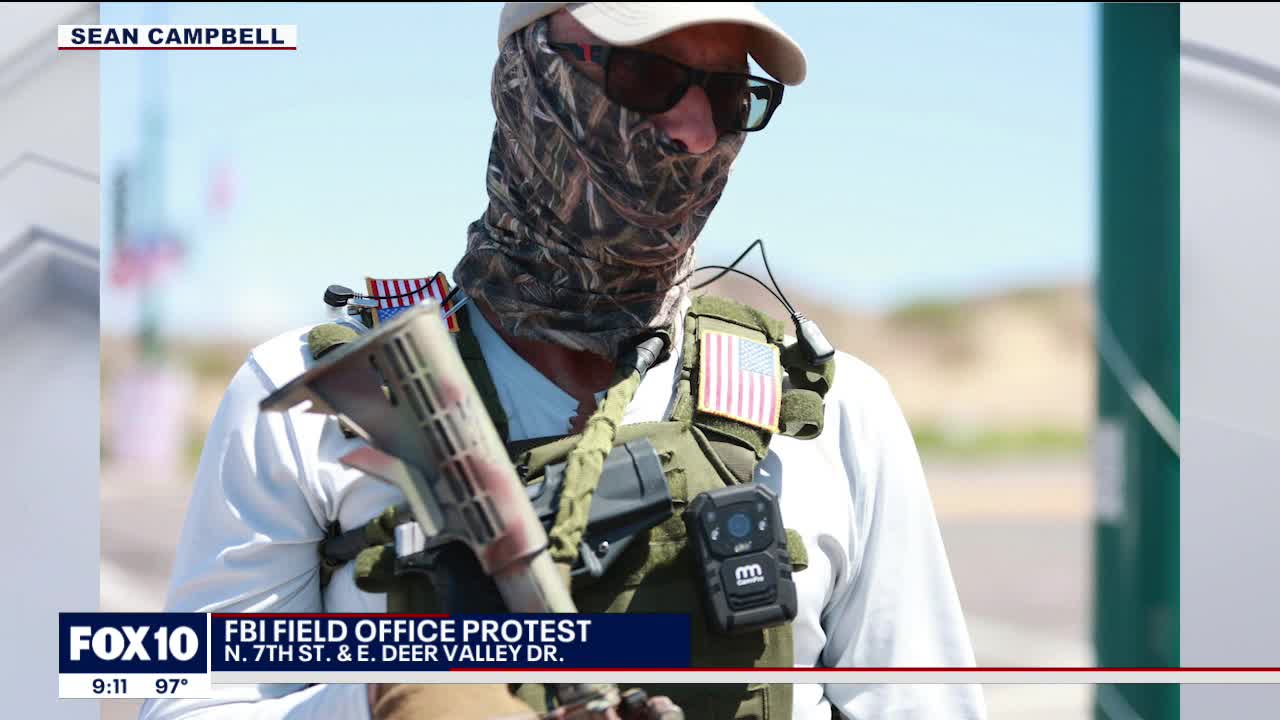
(132, 643)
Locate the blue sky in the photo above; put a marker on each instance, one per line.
(933, 150)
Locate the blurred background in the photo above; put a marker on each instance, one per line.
(946, 195)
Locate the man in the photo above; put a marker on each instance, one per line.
(605, 164)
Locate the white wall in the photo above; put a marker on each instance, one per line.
(49, 330)
(1230, 349)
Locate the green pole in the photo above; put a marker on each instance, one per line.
(1136, 531)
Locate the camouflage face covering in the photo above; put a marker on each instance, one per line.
(593, 211)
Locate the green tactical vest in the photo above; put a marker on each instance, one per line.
(699, 452)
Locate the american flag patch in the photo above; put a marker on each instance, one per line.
(417, 289)
(740, 379)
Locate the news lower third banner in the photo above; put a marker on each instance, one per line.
(184, 655)
(145, 655)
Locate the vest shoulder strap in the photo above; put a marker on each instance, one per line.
(741, 420)
(709, 392)
(473, 361)
(324, 339)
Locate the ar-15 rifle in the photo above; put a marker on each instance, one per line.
(429, 434)
(404, 390)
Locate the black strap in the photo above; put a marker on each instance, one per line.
(342, 547)
(515, 448)
(473, 360)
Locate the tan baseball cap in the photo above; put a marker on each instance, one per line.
(633, 23)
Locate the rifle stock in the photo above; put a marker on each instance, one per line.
(405, 391)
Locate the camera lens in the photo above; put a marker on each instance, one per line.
(739, 525)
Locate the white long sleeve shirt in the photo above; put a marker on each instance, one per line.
(877, 592)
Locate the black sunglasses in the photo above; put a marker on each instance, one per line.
(652, 84)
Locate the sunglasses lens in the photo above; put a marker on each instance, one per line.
(739, 103)
(759, 100)
(727, 95)
(643, 82)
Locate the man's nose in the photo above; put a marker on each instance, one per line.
(690, 122)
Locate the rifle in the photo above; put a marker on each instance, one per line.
(429, 434)
(404, 390)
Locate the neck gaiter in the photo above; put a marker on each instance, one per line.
(587, 241)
